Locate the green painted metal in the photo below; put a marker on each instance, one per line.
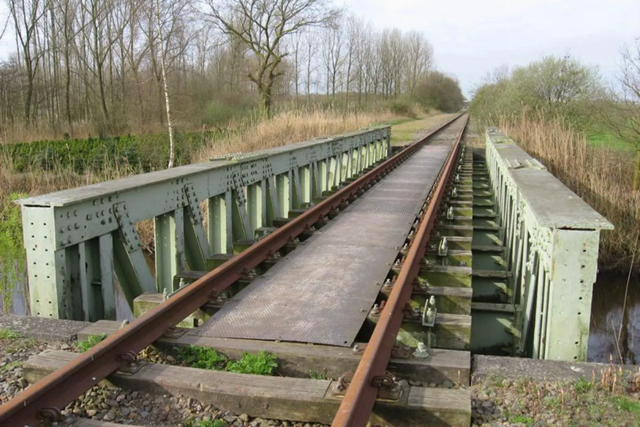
(551, 240)
(83, 243)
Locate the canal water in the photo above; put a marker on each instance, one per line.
(613, 335)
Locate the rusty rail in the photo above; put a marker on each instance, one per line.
(357, 404)
(46, 398)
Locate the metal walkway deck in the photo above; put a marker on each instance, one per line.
(323, 290)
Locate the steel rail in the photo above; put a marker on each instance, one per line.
(357, 404)
(45, 399)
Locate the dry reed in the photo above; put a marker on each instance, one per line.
(289, 127)
(601, 176)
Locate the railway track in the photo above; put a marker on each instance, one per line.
(45, 400)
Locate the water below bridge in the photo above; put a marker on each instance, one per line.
(606, 338)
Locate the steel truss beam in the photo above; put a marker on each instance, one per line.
(76, 239)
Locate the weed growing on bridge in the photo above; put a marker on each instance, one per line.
(195, 356)
(90, 342)
(261, 363)
(200, 357)
(317, 375)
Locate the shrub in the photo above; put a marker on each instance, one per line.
(402, 107)
(143, 152)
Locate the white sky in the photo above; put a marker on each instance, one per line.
(472, 37)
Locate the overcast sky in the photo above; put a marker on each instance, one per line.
(472, 37)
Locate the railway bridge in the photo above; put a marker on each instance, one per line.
(381, 268)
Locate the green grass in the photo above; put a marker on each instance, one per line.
(522, 419)
(626, 404)
(607, 140)
(583, 386)
(496, 380)
(191, 422)
(212, 423)
(201, 357)
(9, 366)
(396, 122)
(6, 334)
(90, 342)
(405, 131)
(255, 364)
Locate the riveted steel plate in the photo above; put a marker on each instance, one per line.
(367, 229)
(405, 186)
(322, 291)
(321, 294)
(398, 194)
(411, 207)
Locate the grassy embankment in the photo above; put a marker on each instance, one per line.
(599, 168)
(607, 399)
(406, 132)
(31, 172)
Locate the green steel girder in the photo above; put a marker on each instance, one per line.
(83, 243)
(551, 241)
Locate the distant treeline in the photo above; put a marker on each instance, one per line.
(86, 67)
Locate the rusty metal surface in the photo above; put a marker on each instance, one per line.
(322, 291)
(359, 399)
(60, 388)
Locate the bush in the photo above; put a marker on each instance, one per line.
(217, 113)
(552, 88)
(403, 107)
(441, 92)
(142, 152)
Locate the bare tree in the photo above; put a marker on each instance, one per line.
(27, 16)
(333, 55)
(419, 59)
(264, 25)
(112, 66)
